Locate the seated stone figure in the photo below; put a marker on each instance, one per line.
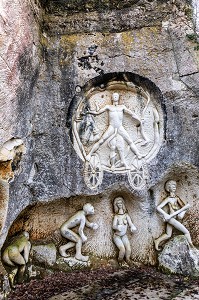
(77, 240)
(16, 256)
(121, 221)
(176, 211)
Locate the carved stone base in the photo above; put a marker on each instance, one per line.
(72, 263)
(179, 258)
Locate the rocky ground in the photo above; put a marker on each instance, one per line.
(131, 284)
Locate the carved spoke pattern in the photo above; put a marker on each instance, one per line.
(137, 178)
(93, 173)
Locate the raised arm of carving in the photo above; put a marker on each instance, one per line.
(100, 111)
(160, 210)
(133, 115)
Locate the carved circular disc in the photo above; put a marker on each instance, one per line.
(93, 173)
(137, 178)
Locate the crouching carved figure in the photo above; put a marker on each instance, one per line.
(121, 221)
(176, 211)
(16, 256)
(77, 240)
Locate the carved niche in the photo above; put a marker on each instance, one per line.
(116, 128)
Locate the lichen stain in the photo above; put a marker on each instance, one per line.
(6, 170)
(128, 40)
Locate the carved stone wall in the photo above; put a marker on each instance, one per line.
(69, 63)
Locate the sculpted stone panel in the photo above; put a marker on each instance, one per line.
(66, 225)
(116, 129)
(79, 219)
(16, 255)
(121, 221)
(176, 212)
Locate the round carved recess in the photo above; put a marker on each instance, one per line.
(117, 127)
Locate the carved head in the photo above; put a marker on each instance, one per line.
(119, 204)
(115, 97)
(88, 209)
(170, 186)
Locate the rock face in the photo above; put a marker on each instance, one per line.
(60, 64)
(44, 255)
(177, 257)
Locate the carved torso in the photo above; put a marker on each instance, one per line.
(116, 115)
(121, 221)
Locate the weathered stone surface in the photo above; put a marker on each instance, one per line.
(44, 254)
(70, 263)
(47, 71)
(179, 258)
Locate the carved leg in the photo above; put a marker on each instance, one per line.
(21, 273)
(127, 248)
(112, 145)
(64, 248)
(163, 237)
(78, 254)
(103, 139)
(11, 277)
(127, 138)
(181, 228)
(118, 242)
(76, 241)
(15, 256)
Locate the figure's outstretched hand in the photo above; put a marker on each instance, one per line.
(95, 226)
(84, 238)
(133, 228)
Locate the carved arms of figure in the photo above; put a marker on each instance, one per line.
(179, 211)
(100, 111)
(131, 225)
(167, 217)
(94, 226)
(133, 115)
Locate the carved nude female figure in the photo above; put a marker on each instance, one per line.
(121, 221)
(177, 209)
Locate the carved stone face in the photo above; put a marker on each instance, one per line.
(119, 203)
(115, 97)
(89, 209)
(171, 186)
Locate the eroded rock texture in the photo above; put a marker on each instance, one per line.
(52, 52)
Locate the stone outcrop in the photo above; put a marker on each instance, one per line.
(44, 255)
(177, 257)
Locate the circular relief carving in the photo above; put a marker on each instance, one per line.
(116, 128)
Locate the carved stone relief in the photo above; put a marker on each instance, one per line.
(16, 256)
(118, 213)
(121, 221)
(176, 212)
(75, 240)
(116, 129)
